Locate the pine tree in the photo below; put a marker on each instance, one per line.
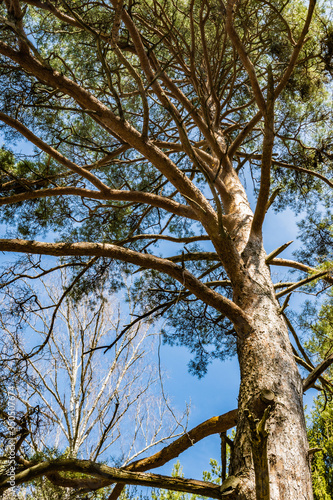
(147, 120)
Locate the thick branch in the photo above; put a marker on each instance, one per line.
(107, 194)
(110, 473)
(214, 425)
(86, 484)
(266, 162)
(113, 124)
(124, 131)
(242, 322)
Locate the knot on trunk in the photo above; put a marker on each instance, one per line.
(230, 487)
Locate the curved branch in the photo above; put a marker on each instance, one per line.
(112, 123)
(107, 194)
(211, 426)
(110, 473)
(214, 425)
(305, 170)
(283, 164)
(241, 321)
(23, 130)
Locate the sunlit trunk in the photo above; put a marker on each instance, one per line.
(267, 363)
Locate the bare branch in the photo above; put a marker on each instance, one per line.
(276, 252)
(315, 374)
(321, 274)
(211, 426)
(39, 348)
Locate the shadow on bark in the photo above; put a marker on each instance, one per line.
(261, 408)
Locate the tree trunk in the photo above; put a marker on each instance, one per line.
(268, 349)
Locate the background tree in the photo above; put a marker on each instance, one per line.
(148, 121)
(92, 404)
(320, 327)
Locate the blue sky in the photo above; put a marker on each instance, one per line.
(217, 392)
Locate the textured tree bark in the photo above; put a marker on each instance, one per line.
(268, 349)
(259, 437)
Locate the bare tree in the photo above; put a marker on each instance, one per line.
(92, 404)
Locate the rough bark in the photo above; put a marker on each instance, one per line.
(268, 349)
